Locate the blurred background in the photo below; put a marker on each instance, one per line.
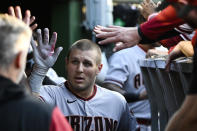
(75, 19)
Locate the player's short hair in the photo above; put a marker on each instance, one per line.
(11, 30)
(84, 45)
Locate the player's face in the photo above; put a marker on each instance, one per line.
(82, 69)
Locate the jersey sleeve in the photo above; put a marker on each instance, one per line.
(59, 122)
(117, 70)
(160, 27)
(168, 43)
(47, 94)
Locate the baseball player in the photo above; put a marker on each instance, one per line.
(185, 118)
(124, 74)
(85, 105)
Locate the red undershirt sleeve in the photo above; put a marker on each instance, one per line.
(160, 25)
(59, 122)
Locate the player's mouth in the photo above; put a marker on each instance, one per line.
(79, 79)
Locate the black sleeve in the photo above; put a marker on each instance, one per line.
(166, 35)
(131, 97)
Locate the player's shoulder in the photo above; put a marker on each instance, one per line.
(31, 104)
(125, 52)
(128, 50)
(53, 88)
(113, 95)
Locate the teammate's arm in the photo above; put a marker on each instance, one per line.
(44, 58)
(148, 32)
(185, 119)
(129, 96)
(114, 87)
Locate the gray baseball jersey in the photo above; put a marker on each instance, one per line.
(105, 110)
(125, 72)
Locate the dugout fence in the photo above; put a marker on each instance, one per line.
(166, 90)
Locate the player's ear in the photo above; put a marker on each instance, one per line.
(100, 66)
(18, 62)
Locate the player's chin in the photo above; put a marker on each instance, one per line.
(79, 85)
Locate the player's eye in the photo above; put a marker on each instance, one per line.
(87, 63)
(75, 62)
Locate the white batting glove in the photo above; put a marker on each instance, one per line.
(44, 57)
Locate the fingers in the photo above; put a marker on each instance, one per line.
(46, 36)
(53, 39)
(158, 3)
(106, 29)
(27, 17)
(57, 52)
(33, 44)
(34, 26)
(32, 19)
(18, 13)
(121, 46)
(11, 11)
(114, 26)
(109, 29)
(106, 35)
(97, 31)
(39, 37)
(109, 40)
(53, 42)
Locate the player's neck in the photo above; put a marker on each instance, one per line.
(85, 94)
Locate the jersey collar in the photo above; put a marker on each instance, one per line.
(85, 99)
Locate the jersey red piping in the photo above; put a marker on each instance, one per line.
(41, 98)
(85, 99)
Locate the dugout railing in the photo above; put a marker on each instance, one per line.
(166, 90)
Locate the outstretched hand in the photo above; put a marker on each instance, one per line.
(183, 48)
(113, 34)
(148, 7)
(44, 54)
(28, 19)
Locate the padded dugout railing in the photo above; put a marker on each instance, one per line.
(166, 90)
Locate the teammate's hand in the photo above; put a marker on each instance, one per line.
(173, 55)
(154, 52)
(44, 55)
(113, 34)
(183, 48)
(148, 7)
(28, 19)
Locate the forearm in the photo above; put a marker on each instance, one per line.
(114, 87)
(129, 96)
(185, 119)
(159, 26)
(36, 78)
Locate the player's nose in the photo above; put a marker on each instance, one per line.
(80, 67)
